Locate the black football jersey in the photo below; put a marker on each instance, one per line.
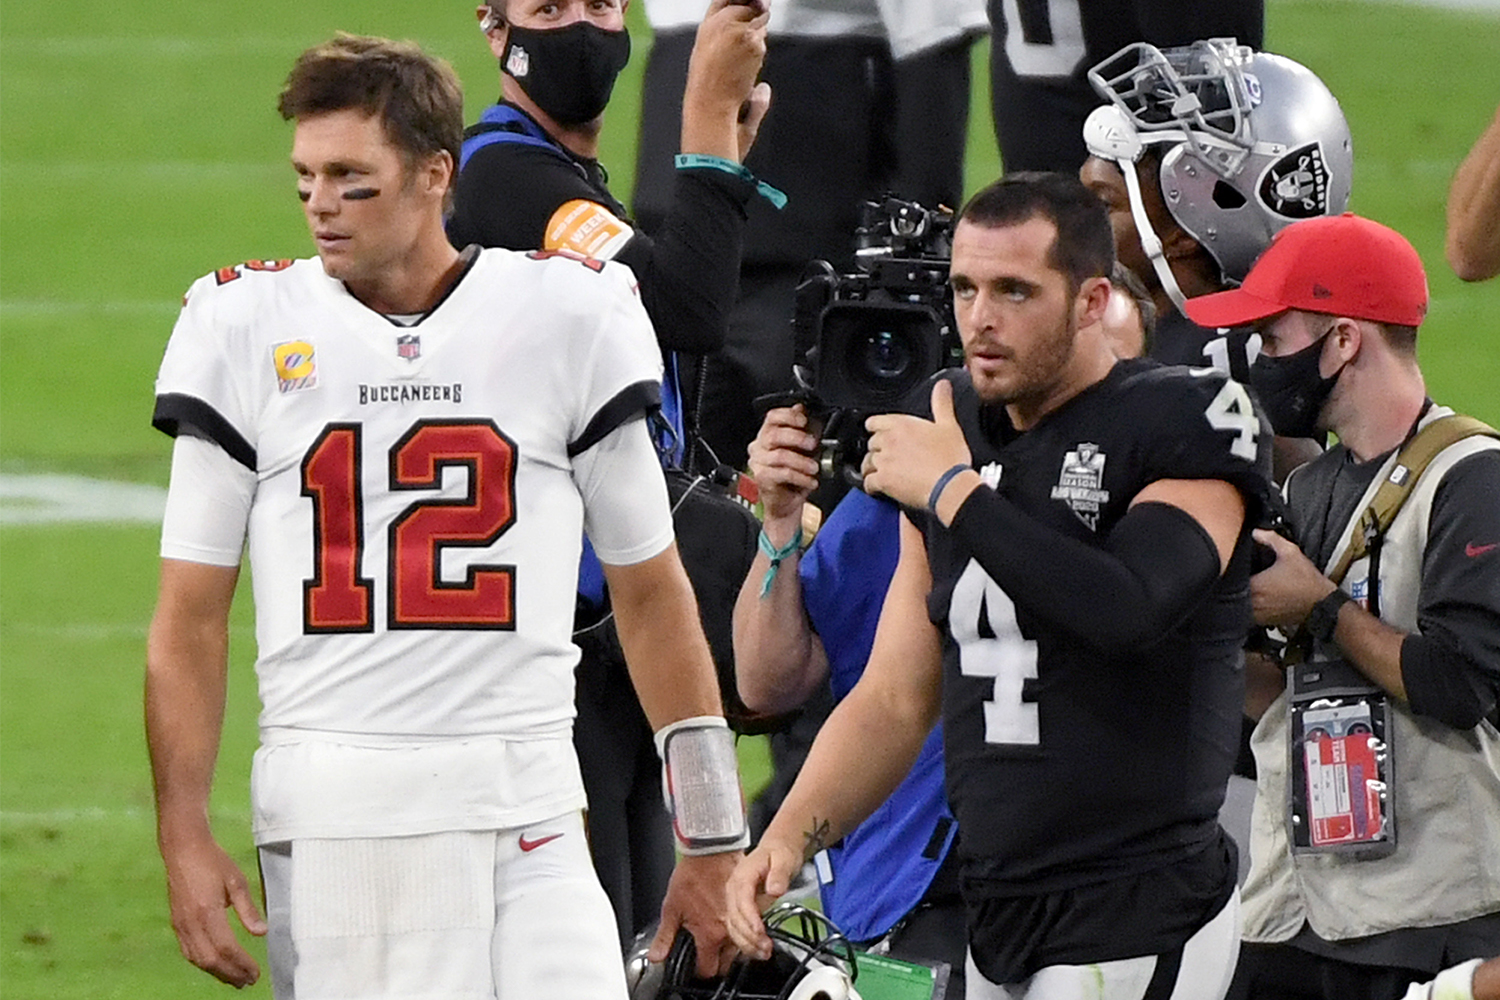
(1067, 765)
(1177, 340)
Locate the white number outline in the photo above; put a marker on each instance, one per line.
(1232, 411)
(1009, 657)
(1217, 352)
(1061, 56)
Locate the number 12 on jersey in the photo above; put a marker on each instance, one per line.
(983, 620)
(338, 599)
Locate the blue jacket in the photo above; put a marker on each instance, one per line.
(881, 870)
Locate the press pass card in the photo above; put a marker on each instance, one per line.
(1344, 783)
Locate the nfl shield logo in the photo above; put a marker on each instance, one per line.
(409, 346)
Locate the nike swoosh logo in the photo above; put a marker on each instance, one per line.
(527, 846)
(1471, 550)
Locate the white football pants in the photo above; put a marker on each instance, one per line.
(511, 914)
(1206, 965)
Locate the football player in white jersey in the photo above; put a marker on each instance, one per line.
(413, 439)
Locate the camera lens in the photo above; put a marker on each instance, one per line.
(884, 355)
(871, 354)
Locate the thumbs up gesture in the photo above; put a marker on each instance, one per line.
(908, 455)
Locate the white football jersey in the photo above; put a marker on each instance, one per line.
(415, 531)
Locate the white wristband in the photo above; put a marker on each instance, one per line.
(1456, 983)
(701, 785)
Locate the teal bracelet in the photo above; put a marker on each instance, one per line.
(687, 161)
(942, 484)
(776, 556)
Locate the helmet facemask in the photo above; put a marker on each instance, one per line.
(810, 958)
(1250, 142)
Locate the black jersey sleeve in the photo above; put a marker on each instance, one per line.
(1201, 424)
(689, 267)
(1451, 665)
(1156, 566)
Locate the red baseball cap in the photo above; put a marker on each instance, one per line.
(1340, 265)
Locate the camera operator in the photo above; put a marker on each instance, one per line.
(810, 623)
(1402, 516)
(530, 179)
(871, 95)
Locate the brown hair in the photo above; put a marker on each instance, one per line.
(417, 96)
(1084, 246)
(1402, 339)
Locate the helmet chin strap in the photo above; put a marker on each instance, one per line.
(1110, 134)
(1150, 242)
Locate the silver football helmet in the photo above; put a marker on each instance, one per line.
(810, 960)
(1249, 143)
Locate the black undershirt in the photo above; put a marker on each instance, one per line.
(688, 267)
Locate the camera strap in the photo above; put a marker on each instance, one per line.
(1410, 462)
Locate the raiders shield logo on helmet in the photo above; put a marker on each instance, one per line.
(1296, 186)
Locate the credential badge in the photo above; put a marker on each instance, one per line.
(1081, 485)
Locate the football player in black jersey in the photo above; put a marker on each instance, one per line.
(1071, 593)
(1202, 154)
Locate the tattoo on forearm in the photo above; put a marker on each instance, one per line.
(816, 838)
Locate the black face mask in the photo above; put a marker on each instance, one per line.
(1291, 390)
(569, 72)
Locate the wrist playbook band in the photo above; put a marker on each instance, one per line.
(701, 784)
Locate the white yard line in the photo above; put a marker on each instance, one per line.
(1486, 6)
(160, 171)
(48, 308)
(159, 47)
(54, 499)
(80, 631)
(99, 814)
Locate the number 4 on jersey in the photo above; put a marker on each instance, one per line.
(1231, 411)
(990, 644)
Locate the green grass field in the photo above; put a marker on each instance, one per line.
(139, 148)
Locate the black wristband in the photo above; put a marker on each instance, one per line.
(942, 484)
(1323, 619)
